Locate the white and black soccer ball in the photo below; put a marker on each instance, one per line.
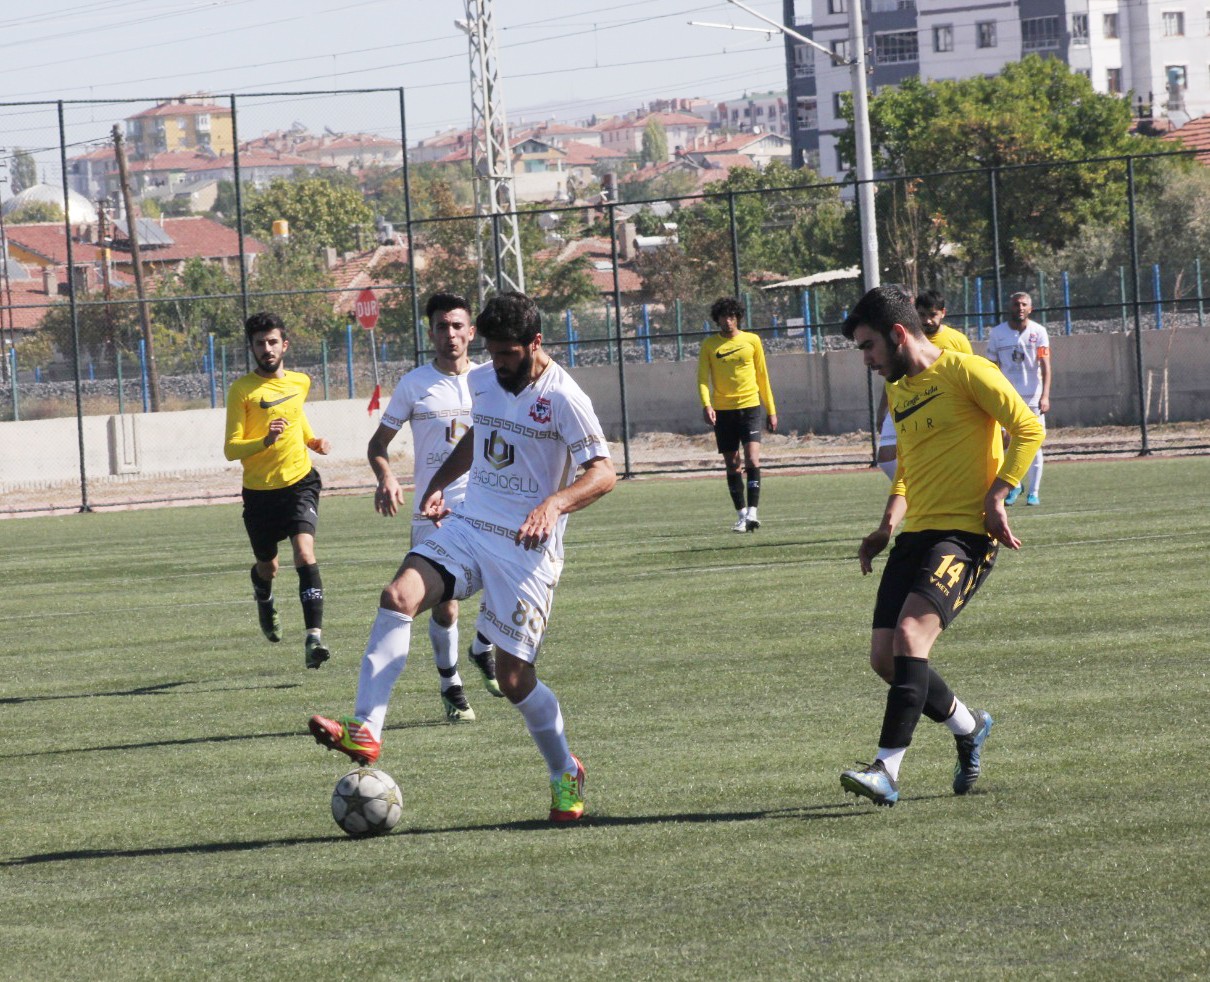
(367, 802)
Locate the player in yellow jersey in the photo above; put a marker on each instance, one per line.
(268, 432)
(732, 382)
(948, 491)
(930, 305)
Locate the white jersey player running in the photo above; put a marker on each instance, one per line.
(435, 400)
(535, 453)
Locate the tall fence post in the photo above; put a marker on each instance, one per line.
(608, 336)
(617, 309)
(734, 242)
(117, 353)
(1136, 299)
(1066, 303)
(966, 308)
(807, 336)
(349, 355)
(993, 179)
(979, 307)
(647, 334)
(323, 355)
(571, 338)
(1155, 286)
(223, 362)
(1122, 294)
(1042, 295)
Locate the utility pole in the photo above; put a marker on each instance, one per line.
(491, 157)
(8, 293)
(153, 375)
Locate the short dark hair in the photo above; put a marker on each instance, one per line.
(510, 317)
(442, 303)
(263, 321)
(882, 308)
(930, 300)
(726, 307)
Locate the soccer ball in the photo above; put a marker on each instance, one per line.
(367, 802)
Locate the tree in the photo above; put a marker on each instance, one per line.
(655, 142)
(1035, 112)
(321, 213)
(23, 171)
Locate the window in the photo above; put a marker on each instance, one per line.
(1173, 23)
(841, 49)
(804, 61)
(806, 114)
(1177, 76)
(811, 159)
(1040, 34)
(898, 48)
(943, 37)
(841, 163)
(1110, 25)
(838, 6)
(1079, 30)
(1113, 81)
(838, 105)
(985, 34)
(203, 122)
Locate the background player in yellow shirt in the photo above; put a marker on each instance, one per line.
(930, 305)
(948, 492)
(268, 432)
(732, 382)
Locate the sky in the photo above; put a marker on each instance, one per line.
(562, 60)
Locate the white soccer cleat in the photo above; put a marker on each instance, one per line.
(741, 521)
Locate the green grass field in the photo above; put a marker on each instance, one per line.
(165, 816)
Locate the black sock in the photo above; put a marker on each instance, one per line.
(311, 593)
(939, 702)
(261, 589)
(753, 486)
(904, 702)
(735, 484)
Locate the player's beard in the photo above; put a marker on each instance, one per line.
(516, 380)
(269, 363)
(897, 364)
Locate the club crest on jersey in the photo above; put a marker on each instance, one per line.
(498, 452)
(455, 431)
(540, 411)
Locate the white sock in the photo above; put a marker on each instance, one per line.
(383, 662)
(961, 721)
(445, 652)
(479, 646)
(1033, 476)
(742, 514)
(751, 516)
(544, 720)
(888, 467)
(891, 759)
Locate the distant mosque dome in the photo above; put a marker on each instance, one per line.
(80, 209)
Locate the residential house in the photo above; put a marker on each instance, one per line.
(189, 122)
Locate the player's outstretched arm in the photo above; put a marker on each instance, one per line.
(595, 480)
(389, 495)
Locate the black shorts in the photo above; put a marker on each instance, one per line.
(733, 427)
(946, 568)
(270, 516)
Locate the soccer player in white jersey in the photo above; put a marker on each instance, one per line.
(535, 453)
(1021, 347)
(436, 401)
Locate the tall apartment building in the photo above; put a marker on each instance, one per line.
(1155, 52)
(800, 84)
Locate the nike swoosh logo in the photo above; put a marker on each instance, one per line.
(729, 351)
(276, 402)
(900, 417)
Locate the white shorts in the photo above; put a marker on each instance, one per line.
(887, 436)
(518, 584)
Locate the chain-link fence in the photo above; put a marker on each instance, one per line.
(245, 208)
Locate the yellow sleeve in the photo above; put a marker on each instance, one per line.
(996, 396)
(236, 445)
(762, 376)
(703, 374)
(307, 433)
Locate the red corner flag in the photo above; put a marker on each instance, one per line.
(375, 400)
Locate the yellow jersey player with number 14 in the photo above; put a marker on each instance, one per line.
(268, 432)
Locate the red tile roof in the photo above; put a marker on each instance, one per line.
(48, 241)
(183, 109)
(1195, 135)
(365, 270)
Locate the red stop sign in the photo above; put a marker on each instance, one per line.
(366, 309)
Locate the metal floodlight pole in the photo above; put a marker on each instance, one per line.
(864, 164)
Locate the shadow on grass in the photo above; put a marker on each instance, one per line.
(195, 741)
(808, 812)
(163, 688)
